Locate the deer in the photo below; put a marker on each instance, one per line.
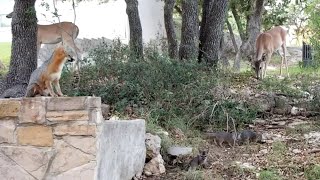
(65, 32)
(266, 43)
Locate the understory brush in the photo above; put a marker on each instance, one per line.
(167, 93)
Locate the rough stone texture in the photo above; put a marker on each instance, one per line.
(67, 158)
(81, 115)
(66, 104)
(84, 144)
(35, 135)
(33, 160)
(177, 150)
(122, 150)
(93, 102)
(33, 110)
(7, 131)
(9, 108)
(85, 129)
(155, 166)
(84, 172)
(95, 115)
(153, 145)
(11, 170)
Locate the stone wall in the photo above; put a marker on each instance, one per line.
(49, 138)
(67, 138)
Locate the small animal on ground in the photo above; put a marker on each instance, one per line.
(48, 73)
(199, 161)
(248, 136)
(221, 137)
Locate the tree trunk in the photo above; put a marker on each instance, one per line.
(24, 49)
(206, 9)
(135, 42)
(171, 34)
(189, 30)
(214, 31)
(237, 19)
(247, 48)
(233, 39)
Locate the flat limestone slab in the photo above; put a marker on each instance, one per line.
(122, 150)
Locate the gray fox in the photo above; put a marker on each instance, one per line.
(199, 160)
(220, 137)
(49, 72)
(249, 136)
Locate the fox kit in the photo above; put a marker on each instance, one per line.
(199, 160)
(221, 137)
(249, 136)
(48, 73)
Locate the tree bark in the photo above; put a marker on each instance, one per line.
(247, 47)
(189, 30)
(237, 19)
(214, 31)
(24, 49)
(206, 9)
(135, 42)
(233, 39)
(171, 34)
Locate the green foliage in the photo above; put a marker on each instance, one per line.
(313, 173)
(269, 175)
(314, 25)
(5, 52)
(276, 13)
(280, 86)
(168, 93)
(194, 175)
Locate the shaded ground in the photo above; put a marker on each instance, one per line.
(286, 153)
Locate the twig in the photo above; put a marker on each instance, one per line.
(313, 151)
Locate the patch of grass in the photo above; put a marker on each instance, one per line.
(279, 150)
(5, 52)
(194, 175)
(269, 175)
(302, 129)
(313, 173)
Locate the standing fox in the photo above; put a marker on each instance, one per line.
(49, 72)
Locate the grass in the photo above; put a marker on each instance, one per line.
(5, 52)
(269, 175)
(313, 173)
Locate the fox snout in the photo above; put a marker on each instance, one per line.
(70, 59)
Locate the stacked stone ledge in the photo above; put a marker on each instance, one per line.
(49, 138)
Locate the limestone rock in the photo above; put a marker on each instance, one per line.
(122, 149)
(85, 172)
(153, 145)
(9, 108)
(33, 110)
(35, 135)
(80, 115)
(177, 150)
(85, 144)
(33, 160)
(67, 158)
(10, 170)
(77, 128)
(7, 131)
(155, 166)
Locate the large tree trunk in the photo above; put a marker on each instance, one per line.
(247, 47)
(24, 49)
(206, 9)
(214, 31)
(135, 42)
(189, 30)
(171, 34)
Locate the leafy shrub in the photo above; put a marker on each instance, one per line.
(167, 92)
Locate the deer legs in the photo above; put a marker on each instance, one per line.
(284, 58)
